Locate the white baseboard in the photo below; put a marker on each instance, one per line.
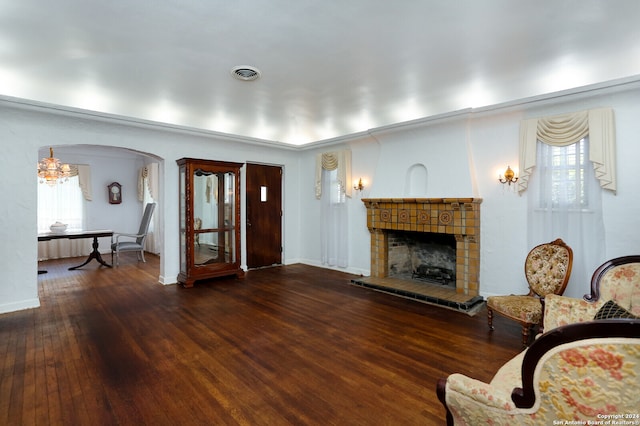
(347, 270)
(168, 281)
(19, 306)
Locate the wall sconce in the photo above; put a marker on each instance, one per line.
(509, 177)
(359, 186)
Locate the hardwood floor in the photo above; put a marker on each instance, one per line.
(285, 345)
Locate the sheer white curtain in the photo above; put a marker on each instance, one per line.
(333, 185)
(564, 199)
(333, 227)
(63, 202)
(148, 193)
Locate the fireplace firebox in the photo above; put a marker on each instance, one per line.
(422, 256)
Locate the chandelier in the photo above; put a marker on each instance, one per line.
(50, 170)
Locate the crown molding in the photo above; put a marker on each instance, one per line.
(612, 86)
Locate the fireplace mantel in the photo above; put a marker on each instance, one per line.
(459, 217)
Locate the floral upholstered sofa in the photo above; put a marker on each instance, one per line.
(617, 280)
(586, 365)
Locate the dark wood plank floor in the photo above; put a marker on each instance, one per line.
(285, 345)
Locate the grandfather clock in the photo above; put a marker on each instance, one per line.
(209, 219)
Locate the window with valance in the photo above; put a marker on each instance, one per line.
(339, 161)
(562, 130)
(333, 184)
(566, 163)
(148, 192)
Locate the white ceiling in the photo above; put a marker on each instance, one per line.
(329, 69)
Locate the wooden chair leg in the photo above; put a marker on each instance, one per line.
(525, 335)
(490, 317)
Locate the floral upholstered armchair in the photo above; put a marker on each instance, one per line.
(547, 269)
(586, 366)
(584, 371)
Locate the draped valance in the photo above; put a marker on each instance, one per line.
(566, 129)
(83, 171)
(340, 160)
(150, 174)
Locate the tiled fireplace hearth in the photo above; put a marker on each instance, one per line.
(459, 217)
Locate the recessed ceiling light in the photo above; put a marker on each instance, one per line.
(245, 72)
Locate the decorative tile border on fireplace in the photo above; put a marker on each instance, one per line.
(459, 217)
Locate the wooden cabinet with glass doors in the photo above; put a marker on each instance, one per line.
(209, 220)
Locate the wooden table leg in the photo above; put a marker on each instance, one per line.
(95, 254)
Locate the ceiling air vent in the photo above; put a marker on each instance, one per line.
(245, 73)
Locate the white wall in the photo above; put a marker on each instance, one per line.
(365, 154)
(463, 154)
(441, 147)
(26, 128)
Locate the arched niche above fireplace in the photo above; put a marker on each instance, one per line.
(416, 180)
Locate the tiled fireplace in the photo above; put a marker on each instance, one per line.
(459, 217)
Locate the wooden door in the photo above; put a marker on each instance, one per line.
(264, 215)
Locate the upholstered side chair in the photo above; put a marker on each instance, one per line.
(547, 269)
(136, 241)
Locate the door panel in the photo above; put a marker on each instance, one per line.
(264, 215)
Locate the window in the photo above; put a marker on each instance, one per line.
(334, 221)
(149, 183)
(564, 168)
(147, 198)
(565, 196)
(63, 202)
(565, 201)
(336, 191)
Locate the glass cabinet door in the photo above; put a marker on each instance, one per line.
(214, 217)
